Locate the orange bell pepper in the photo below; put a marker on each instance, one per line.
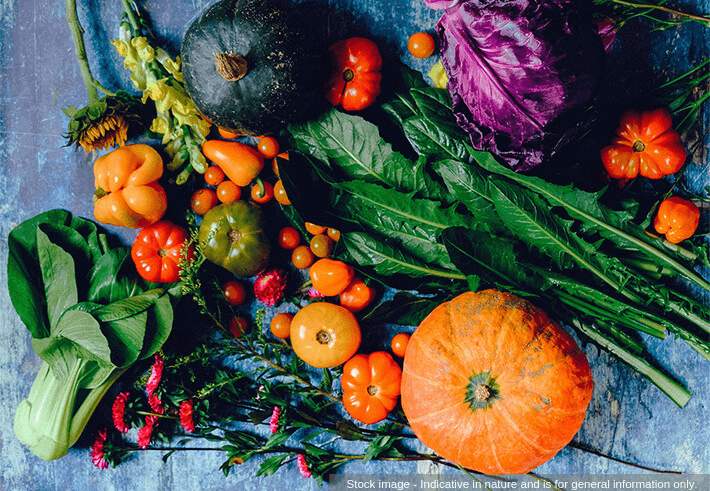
(677, 219)
(127, 192)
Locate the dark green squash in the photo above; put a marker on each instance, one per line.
(250, 66)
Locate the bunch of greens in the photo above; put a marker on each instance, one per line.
(452, 218)
(90, 316)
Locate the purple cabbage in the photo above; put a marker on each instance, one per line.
(521, 72)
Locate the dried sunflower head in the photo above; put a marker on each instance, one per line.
(106, 122)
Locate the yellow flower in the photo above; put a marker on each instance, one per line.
(144, 50)
(172, 67)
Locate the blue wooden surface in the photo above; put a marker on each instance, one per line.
(628, 418)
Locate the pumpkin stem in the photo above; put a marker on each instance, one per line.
(234, 236)
(638, 146)
(482, 393)
(232, 67)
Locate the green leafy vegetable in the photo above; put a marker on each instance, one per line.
(89, 317)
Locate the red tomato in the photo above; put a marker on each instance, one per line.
(157, 251)
(234, 292)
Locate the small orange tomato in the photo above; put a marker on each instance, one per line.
(214, 175)
(262, 193)
(228, 135)
(302, 257)
(333, 234)
(281, 325)
(324, 335)
(234, 292)
(203, 200)
(399, 343)
(289, 238)
(315, 229)
(227, 192)
(321, 245)
(371, 386)
(237, 325)
(357, 295)
(421, 45)
(280, 193)
(275, 162)
(268, 147)
(677, 219)
(330, 276)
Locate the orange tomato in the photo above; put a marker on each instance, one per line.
(268, 147)
(333, 234)
(357, 295)
(280, 193)
(227, 192)
(214, 175)
(321, 245)
(370, 386)
(314, 229)
(421, 45)
(281, 325)
(228, 135)
(399, 343)
(289, 238)
(302, 257)
(275, 162)
(324, 335)
(203, 200)
(262, 193)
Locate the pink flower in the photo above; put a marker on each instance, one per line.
(119, 412)
(97, 451)
(313, 293)
(303, 466)
(146, 431)
(269, 286)
(186, 419)
(156, 374)
(156, 404)
(274, 421)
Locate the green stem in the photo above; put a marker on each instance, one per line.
(131, 14)
(697, 18)
(78, 36)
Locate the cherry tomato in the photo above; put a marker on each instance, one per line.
(289, 238)
(333, 234)
(321, 245)
(357, 295)
(281, 325)
(302, 257)
(227, 135)
(399, 344)
(275, 163)
(315, 229)
(262, 197)
(280, 193)
(227, 192)
(331, 276)
(268, 147)
(234, 292)
(421, 45)
(214, 175)
(203, 200)
(237, 325)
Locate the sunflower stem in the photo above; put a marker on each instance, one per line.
(92, 85)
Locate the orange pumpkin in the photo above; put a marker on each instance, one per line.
(491, 383)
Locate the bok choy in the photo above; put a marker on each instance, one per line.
(90, 316)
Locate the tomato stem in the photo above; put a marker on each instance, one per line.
(638, 146)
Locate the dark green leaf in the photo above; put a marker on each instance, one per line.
(269, 466)
(58, 277)
(404, 308)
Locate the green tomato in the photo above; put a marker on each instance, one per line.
(232, 236)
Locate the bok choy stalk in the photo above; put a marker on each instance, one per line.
(90, 316)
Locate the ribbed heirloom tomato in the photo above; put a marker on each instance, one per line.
(371, 386)
(157, 252)
(325, 335)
